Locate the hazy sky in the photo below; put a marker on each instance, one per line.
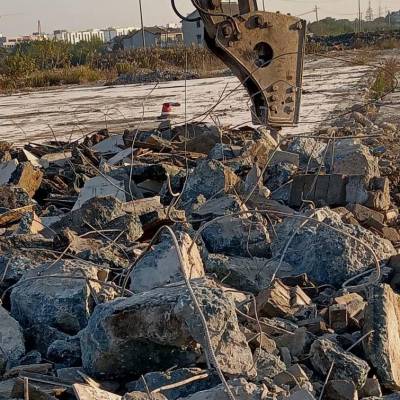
(81, 14)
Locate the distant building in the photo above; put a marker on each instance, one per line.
(105, 35)
(155, 36)
(193, 32)
(111, 33)
(80, 36)
(393, 18)
(11, 42)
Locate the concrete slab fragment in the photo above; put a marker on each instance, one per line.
(6, 170)
(111, 145)
(100, 186)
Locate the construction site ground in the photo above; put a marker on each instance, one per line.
(332, 83)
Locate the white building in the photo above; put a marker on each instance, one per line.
(193, 32)
(155, 36)
(105, 35)
(111, 33)
(11, 42)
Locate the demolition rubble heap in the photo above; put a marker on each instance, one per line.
(197, 263)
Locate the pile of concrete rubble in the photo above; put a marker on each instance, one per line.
(353, 40)
(195, 263)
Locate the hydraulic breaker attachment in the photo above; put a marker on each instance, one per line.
(265, 51)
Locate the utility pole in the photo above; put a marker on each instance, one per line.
(263, 5)
(141, 21)
(369, 15)
(359, 16)
(316, 13)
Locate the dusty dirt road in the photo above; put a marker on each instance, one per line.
(329, 87)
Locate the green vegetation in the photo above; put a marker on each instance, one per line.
(385, 79)
(51, 63)
(332, 26)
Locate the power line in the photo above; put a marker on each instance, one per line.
(369, 15)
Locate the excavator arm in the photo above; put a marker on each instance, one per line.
(265, 51)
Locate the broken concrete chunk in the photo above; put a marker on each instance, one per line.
(222, 151)
(311, 151)
(274, 301)
(160, 266)
(143, 206)
(65, 353)
(209, 178)
(285, 157)
(340, 390)
(356, 189)
(129, 224)
(353, 159)
(63, 302)
(295, 342)
(12, 346)
(166, 327)
(98, 212)
(354, 303)
(237, 237)
(121, 156)
(298, 298)
(30, 224)
(110, 145)
(6, 171)
(322, 190)
(100, 186)
(156, 380)
(143, 396)
(240, 388)
(338, 317)
(13, 197)
(301, 394)
(362, 119)
(260, 150)
(218, 207)
(84, 391)
(12, 269)
(268, 365)
(58, 159)
(382, 317)
(294, 376)
(17, 214)
(41, 336)
(26, 155)
(378, 200)
(203, 142)
(363, 214)
(328, 256)
(257, 341)
(346, 365)
(247, 274)
(371, 388)
(27, 177)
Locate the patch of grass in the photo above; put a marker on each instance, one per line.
(65, 76)
(388, 44)
(363, 57)
(385, 81)
(199, 60)
(53, 77)
(315, 48)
